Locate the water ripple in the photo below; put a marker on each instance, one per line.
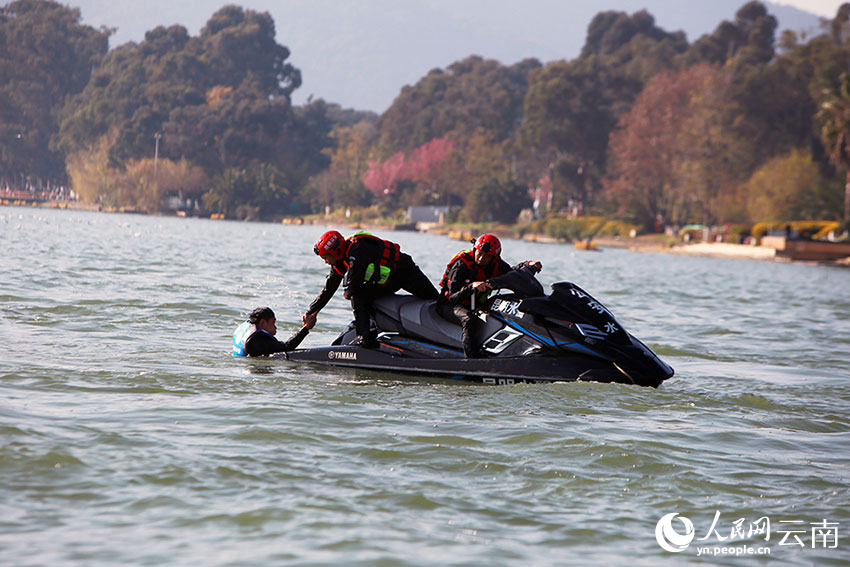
(129, 435)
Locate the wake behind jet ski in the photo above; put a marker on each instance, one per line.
(525, 336)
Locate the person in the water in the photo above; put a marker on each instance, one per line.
(255, 337)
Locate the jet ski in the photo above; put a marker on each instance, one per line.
(524, 335)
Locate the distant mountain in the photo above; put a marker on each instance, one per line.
(361, 53)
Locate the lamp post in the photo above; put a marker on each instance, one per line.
(156, 138)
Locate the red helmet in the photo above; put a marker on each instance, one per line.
(489, 244)
(330, 243)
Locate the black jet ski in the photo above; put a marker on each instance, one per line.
(525, 335)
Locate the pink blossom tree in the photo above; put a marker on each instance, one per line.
(425, 163)
(381, 177)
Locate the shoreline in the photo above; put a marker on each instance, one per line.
(735, 251)
(30, 204)
(653, 244)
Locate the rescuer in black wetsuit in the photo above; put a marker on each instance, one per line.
(368, 267)
(466, 277)
(255, 337)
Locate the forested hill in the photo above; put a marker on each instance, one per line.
(744, 123)
(360, 54)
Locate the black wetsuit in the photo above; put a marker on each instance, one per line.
(261, 343)
(455, 304)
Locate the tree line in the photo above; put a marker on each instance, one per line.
(741, 125)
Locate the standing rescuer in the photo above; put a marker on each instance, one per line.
(368, 267)
(466, 277)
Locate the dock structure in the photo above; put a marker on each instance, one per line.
(807, 250)
(773, 248)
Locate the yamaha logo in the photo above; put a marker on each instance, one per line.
(341, 355)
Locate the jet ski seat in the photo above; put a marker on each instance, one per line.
(415, 317)
(422, 320)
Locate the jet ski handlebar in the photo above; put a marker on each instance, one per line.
(520, 281)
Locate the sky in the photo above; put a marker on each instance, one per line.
(825, 8)
(361, 53)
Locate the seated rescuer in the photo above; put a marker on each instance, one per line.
(465, 277)
(372, 267)
(255, 337)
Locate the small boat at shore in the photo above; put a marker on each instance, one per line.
(586, 245)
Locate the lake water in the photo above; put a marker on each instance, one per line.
(130, 436)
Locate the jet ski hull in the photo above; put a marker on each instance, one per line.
(499, 370)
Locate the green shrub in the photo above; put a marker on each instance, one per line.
(580, 228)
